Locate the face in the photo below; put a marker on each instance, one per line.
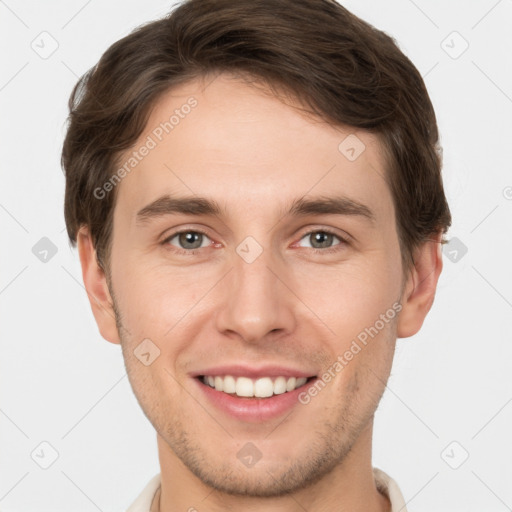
(252, 249)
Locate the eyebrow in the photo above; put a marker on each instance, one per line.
(167, 205)
(194, 205)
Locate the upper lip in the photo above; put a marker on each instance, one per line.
(240, 370)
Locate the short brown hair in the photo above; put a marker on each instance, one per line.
(347, 72)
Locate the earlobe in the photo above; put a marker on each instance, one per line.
(95, 283)
(420, 288)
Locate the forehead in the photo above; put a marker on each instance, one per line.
(243, 147)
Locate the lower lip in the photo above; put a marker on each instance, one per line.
(254, 410)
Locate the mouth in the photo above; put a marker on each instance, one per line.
(246, 387)
(254, 399)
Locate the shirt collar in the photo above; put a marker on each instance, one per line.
(385, 485)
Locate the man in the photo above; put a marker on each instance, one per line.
(256, 196)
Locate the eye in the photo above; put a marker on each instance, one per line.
(321, 240)
(188, 240)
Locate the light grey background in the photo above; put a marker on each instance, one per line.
(450, 392)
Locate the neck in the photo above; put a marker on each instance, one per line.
(349, 486)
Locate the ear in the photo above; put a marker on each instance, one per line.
(420, 287)
(95, 283)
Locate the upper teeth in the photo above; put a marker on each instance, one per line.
(260, 388)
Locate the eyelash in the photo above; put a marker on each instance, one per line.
(329, 250)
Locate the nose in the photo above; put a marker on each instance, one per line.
(255, 299)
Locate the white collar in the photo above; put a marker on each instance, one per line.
(385, 484)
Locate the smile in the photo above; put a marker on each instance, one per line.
(246, 387)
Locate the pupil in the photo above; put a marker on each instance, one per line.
(190, 237)
(326, 236)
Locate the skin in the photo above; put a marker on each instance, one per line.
(254, 154)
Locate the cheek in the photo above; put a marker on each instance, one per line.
(360, 308)
(352, 297)
(153, 300)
